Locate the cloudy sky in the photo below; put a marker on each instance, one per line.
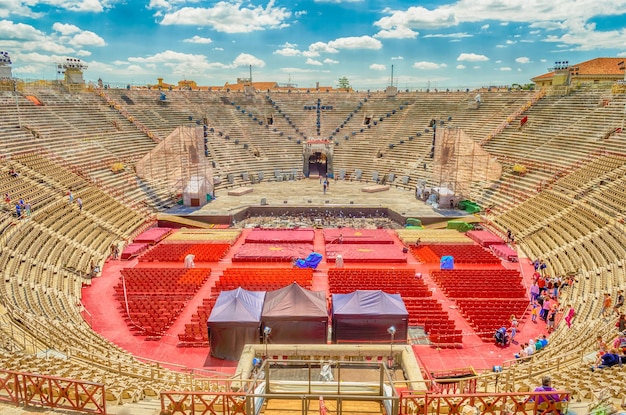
(429, 43)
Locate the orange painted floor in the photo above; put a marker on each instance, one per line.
(105, 316)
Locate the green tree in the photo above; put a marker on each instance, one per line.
(343, 83)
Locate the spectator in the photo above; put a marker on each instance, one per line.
(513, 324)
(534, 312)
(607, 360)
(552, 318)
(571, 312)
(606, 304)
(621, 323)
(546, 386)
(619, 302)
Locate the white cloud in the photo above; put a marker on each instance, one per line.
(499, 61)
(397, 33)
(218, 49)
(83, 53)
(562, 15)
(472, 57)
(288, 51)
(424, 65)
(397, 58)
(87, 38)
(168, 56)
(460, 66)
(417, 17)
(522, 60)
(451, 35)
(377, 67)
(92, 6)
(65, 29)
(299, 70)
(199, 39)
(313, 62)
(159, 4)
(353, 42)
(505, 68)
(583, 36)
(245, 59)
(19, 31)
(329, 61)
(231, 17)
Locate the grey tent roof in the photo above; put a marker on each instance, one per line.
(368, 303)
(238, 306)
(294, 301)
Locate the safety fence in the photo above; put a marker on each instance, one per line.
(29, 389)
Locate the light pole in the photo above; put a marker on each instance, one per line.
(392, 331)
(266, 333)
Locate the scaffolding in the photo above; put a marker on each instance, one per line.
(460, 163)
(180, 163)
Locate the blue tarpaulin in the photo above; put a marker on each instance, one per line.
(312, 261)
(447, 262)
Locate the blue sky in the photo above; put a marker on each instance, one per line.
(467, 43)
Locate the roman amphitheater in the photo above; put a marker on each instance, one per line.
(133, 217)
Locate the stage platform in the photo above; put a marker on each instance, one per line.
(272, 252)
(240, 191)
(375, 188)
(485, 238)
(357, 236)
(308, 193)
(280, 235)
(133, 250)
(152, 236)
(366, 253)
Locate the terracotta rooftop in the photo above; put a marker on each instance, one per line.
(597, 66)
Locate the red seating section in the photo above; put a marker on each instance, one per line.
(204, 252)
(253, 279)
(425, 255)
(486, 298)
(423, 309)
(463, 254)
(262, 279)
(156, 296)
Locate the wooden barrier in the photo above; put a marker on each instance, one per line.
(29, 389)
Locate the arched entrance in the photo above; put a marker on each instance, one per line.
(318, 164)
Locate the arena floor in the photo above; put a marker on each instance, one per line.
(106, 318)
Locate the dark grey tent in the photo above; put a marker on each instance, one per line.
(296, 315)
(234, 322)
(364, 316)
